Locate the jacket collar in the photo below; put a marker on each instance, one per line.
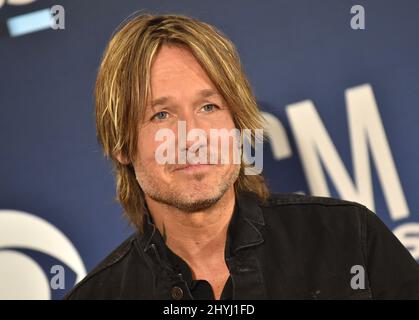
(247, 220)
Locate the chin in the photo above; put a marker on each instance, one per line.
(198, 195)
(195, 204)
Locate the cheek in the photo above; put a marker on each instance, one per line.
(146, 146)
(223, 121)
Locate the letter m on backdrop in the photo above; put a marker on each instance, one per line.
(366, 133)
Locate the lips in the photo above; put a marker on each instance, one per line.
(190, 167)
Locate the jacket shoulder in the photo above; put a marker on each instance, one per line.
(116, 256)
(311, 211)
(284, 199)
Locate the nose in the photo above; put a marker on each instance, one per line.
(194, 130)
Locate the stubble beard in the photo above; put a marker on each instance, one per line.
(174, 197)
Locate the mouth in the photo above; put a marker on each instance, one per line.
(191, 167)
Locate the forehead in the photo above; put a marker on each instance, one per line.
(175, 69)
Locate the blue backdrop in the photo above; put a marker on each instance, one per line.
(310, 70)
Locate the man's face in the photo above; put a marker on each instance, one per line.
(182, 91)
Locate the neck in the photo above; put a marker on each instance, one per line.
(196, 236)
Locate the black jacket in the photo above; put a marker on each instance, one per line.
(289, 247)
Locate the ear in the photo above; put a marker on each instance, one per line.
(122, 159)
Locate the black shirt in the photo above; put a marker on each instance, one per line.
(200, 289)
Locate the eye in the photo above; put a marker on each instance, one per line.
(162, 115)
(209, 107)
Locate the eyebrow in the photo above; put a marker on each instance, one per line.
(204, 93)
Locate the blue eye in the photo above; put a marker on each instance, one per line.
(160, 115)
(209, 107)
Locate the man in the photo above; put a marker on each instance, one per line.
(209, 230)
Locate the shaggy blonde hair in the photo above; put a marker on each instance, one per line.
(123, 85)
